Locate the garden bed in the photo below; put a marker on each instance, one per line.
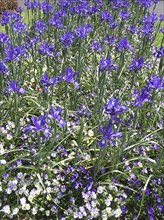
(81, 111)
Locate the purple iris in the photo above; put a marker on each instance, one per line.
(141, 96)
(124, 15)
(132, 28)
(110, 39)
(40, 26)
(4, 38)
(13, 87)
(45, 7)
(3, 68)
(46, 49)
(96, 46)
(46, 81)
(69, 75)
(67, 39)
(12, 53)
(107, 64)
(159, 53)
(106, 16)
(19, 27)
(136, 64)
(123, 44)
(112, 107)
(56, 115)
(83, 30)
(31, 5)
(156, 82)
(38, 124)
(108, 134)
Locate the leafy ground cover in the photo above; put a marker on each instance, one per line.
(82, 111)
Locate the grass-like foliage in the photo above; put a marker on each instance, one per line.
(82, 111)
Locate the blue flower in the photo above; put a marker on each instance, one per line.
(69, 75)
(106, 16)
(113, 108)
(141, 96)
(4, 38)
(136, 64)
(46, 49)
(3, 68)
(40, 26)
(39, 124)
(13, 87)
(19, 27)
(46, 82)
(123, 44)
(107, 64)
(83, 30)
(156, 82)
(56, 115)
(96, 46)
(108, 134)
(67, 39)
(46, 7)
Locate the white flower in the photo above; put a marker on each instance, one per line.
(47, 213)
(6, 209)
(9, 136)
(34, 211)
(117, 212)
(23, 201)
(2, 162)
(100, 189)
(8, 191)
(15, 211)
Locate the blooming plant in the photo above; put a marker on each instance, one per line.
(82, 111)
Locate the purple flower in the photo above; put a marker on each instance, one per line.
(46, 82)
(3, 68)
(106, 16)
(31, 5)
(13, 87)
(40, 26)
(123, 44)
(83, 30)
(113, 25)
(142, 96)
(110, 39)
(46, 7)
(96, 46)
(103, 142)
(46, 49)
(108, 134)
(67, 39)
(10, 17)
(4, 38)
(124, 15)
(149, 210)
(69, 75)
(136, 64)
(156, 82)
(113, 108)
(132, 28)
(147, 30)
(19, 27)
(56, 19)
(14, 52)
(159, 53)
(107, 64)
(38, 124)
(56, 115)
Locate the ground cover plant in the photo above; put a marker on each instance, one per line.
(82, 111)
